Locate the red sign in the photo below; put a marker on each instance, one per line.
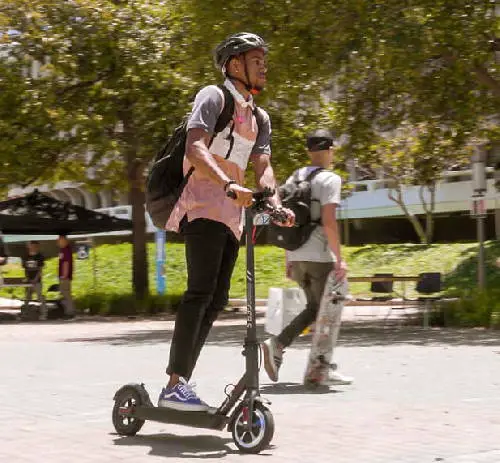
(478, 207)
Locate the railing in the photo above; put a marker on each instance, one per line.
(370, 198)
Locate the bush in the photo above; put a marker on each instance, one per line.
(126, 304)
(471, 308)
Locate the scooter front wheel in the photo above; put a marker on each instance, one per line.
(124, 423)
(258, 437)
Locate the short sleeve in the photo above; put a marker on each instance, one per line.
(263, 142)
(206, 109)
(330, 189)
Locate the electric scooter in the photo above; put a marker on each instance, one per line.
(244, 412)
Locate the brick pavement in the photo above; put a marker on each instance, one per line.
(419, 396)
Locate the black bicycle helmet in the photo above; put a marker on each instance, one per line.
(235, 45)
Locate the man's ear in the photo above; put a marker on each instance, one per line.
(234, 65)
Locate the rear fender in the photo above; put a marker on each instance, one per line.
(139, 388)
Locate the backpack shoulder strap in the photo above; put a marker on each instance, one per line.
(309, 179)
(313, 174)
(296, 178)
(259, 117)
(227, 111)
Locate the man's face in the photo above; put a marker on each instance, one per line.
(329, 156)
(256, 67)
(324, 157)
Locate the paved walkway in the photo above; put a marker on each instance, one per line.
(419, 396)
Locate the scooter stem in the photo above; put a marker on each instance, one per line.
(251, 345)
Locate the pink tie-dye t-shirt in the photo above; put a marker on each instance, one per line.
(203, 198)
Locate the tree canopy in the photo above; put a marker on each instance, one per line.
(116, 76)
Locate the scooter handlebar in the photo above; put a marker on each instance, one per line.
(257, 195)
(261, 206)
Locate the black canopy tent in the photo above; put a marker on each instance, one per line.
(39, 214)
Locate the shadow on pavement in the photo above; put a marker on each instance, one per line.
(351, 335)
(172, 446)
(294, 388)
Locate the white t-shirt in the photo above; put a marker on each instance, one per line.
(325, 189)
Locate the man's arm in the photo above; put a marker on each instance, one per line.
(202, 160)
(65, 270)
(264, 175)
(331, 230)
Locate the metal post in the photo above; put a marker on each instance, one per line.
(160, 238)
(94, 264)
(479, 160)
(481, 274)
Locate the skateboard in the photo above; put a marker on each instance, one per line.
(325, 332)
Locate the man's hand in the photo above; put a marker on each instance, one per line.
(290, 217)
(243, 195)
(340, 269)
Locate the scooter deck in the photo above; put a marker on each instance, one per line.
(326, 331)
(198, 419)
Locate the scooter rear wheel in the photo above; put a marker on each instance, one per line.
(125, 424)
(262, 430)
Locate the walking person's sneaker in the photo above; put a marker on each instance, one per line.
(181, 397)
(337, 379)
(273, 358)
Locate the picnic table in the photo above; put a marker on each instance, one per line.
(14, 282)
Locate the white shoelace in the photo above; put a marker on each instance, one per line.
(187, 390)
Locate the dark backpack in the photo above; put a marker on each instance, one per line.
(166, 179)
(296, 196)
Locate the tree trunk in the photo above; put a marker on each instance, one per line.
(135, 177)
(429, 227)
(140, 280)
(429, 210)
(417, 226)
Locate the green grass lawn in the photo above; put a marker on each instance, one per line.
(113, 274)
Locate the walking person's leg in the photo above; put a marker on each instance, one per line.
(67, 300)
(41, 300)
(27, 299)
(28, 294)
(311, 277)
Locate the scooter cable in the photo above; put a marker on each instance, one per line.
(228, 394)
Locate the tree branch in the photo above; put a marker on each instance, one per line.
(487, 79)
(413, 220)
(482, 74)
(422, 199)
(84, 84)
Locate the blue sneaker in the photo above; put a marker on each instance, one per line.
(181, 397)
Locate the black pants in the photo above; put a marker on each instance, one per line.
(311, 277)
(211, 252)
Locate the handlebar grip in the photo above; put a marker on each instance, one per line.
(279, 216)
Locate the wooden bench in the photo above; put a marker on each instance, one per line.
(382, 279)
